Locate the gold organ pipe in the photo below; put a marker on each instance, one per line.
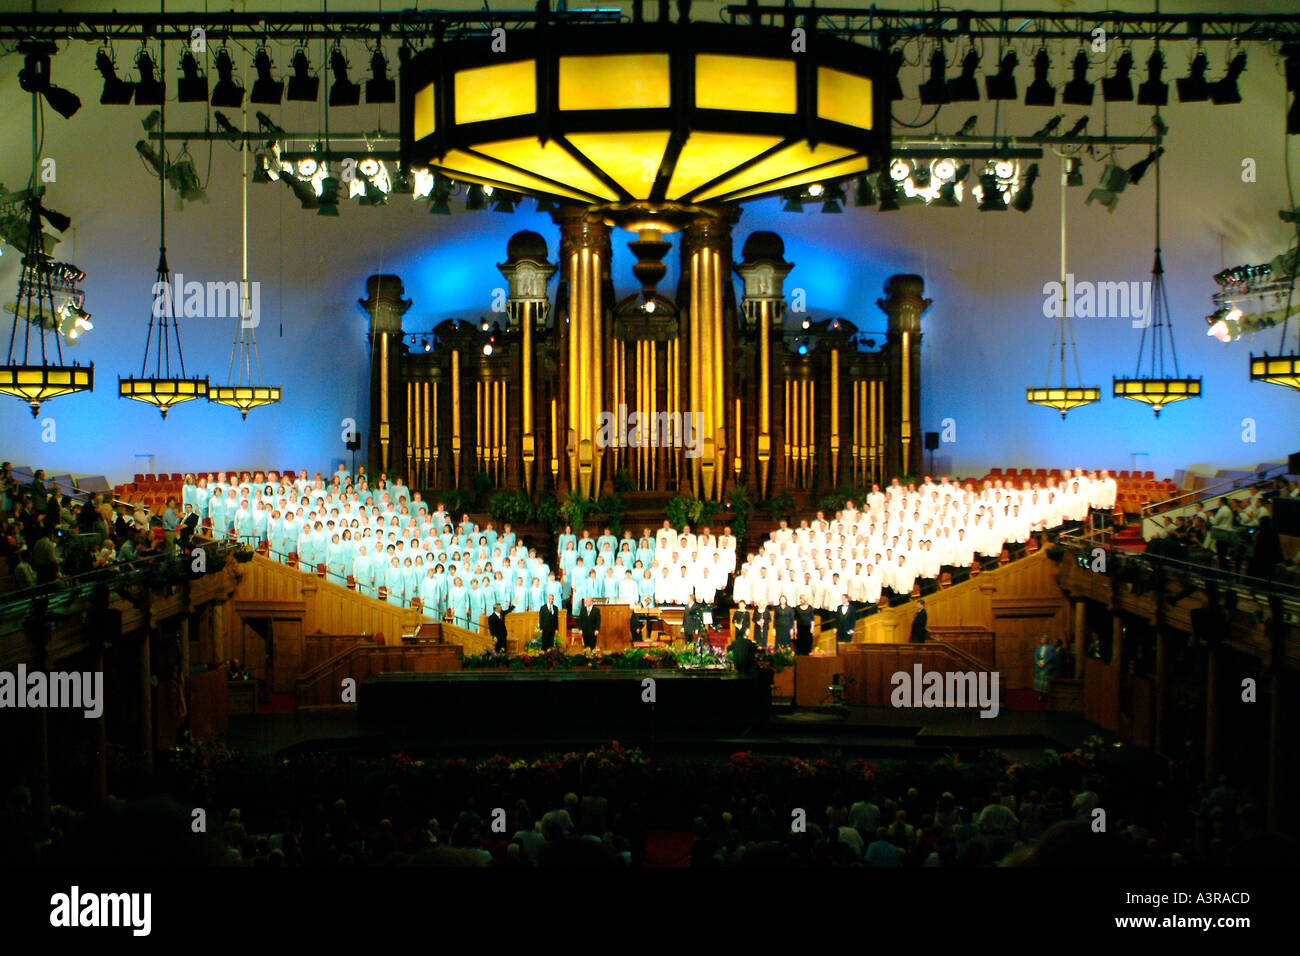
(383, 399)
(693, 358)
(573, 371)
(906, 398)
(717, 359)
(555, 446)
(455, 417)
(596, 338)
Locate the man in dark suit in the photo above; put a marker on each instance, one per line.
(589, 623)
(497, 629)
(844, 619)
(783, 622)
(548, 621)
(803, 623)
(693, 630)
(918, 624)
(762, 626)
(742, 648)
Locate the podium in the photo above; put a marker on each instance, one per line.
(615, 627)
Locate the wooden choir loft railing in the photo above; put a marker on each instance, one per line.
(869, 669)
(322, 685)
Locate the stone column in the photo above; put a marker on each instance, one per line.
(386, 441)
(904, 304)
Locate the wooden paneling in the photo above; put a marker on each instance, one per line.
(812, 676)
(1100, 694)
(209, 711)
(869, 668)
(324, 684)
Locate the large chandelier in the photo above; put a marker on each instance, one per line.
(163, 389)
(647, 112)
(1283, 368)
(1062, 396)
(1156, 388)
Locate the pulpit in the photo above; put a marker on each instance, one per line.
(615, 627)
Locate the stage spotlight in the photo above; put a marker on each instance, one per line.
(303, 87)
(964, 88)
(815, 190)
(34, 77)
(968, 127)
(805, 325)
(1154, 91)
(268, 126)
(266, 88)
(1078, 129)
(1224, 92)
(1002, 85)
(546, 206)
(148, 89)
(1079, 91)
(888, 195)
(1292, 54)
(864, 195)
(372, 183)
(1193, 87)
(803, 348)
(894, 63)
(934, 91)
(504, 201)
(991, 198)
(343, 92)
(192, 87)
(1118, 88)
(474, 198)
(329, 196)
(1073, 171)
(1041, 92)
(487, 349)
(428, 346)
(303, 191)
(227, 127)
(380, 88)
(422, 181)
(1113, 180)
(117, 92)
(1138, 169)
(227, 92)
(793, 201)
(1025, 194)
(1049, 127)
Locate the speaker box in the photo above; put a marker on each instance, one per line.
(354, 444)
(931, 441)
(1286, 516)
(1293, 464)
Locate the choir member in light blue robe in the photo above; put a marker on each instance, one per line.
(201, 495)
(458, 601)
(466, 526)
(306, 550)
(245, 526)
(261, 517)
(190, 492)
(586, 548)
(430, 595)
(508, 539)
(609, 587)
(410, 580)
(393, 579)
(440, 597)
(287, 538)
(579, 590)
(554, 588)
(519, 595)
(218, 513)
(568, 560)
(606, 542)
(536, 596)
(645, 589)
(563, 541)
(320, 543)
(489, 536)
(349, 554)
(400, 493)
(478, 604)
(336, 560)
(626, 557)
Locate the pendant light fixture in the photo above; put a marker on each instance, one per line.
(162, 389)
(244, 388)
(48, 305)
(1157, 388)
(1063, 396)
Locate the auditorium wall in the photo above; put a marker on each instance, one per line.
(986, 337)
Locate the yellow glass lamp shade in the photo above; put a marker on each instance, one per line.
(1062, 399)
(1276, 370)
(244, 397)
(646, 112)
(36, 384)
(1157, 392)
(163, 393)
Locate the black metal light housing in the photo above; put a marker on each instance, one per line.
(148, 89)
(227, 92)
(1194, 88)
(1118, 87)
(1002, 84)
(964, 88)
(1041, 92)
(303, 87)
(343, 92)
(266, 88)
(1224, 91)
(380, 88)
(117, 92)
(34, 77)
(934, 91)
(1154, 91)
(192, 86)
(1080, 90)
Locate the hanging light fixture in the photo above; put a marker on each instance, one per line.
(245, 389)
(1283, 368)
(163, 390)
(39, 282)
(1063, 396)
(1156, 388)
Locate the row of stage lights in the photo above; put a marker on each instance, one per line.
(1196, 87)
(228, 92)
(1002, 184)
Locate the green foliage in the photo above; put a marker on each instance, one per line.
(548, 513)
(623, 481)
(481, 486)
(610, 508)
(455, 501)
(576, 509)
(836, 500)
(686, 510)
(511, 507)
(782, 506)
(742, 509)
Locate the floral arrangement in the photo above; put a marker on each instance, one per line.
(633, 658)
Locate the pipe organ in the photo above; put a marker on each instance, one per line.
(566, 390)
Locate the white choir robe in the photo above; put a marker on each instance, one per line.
(742, 590)
(904, 578)
(627, 592)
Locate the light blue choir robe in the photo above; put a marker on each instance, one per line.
(508, 540)
(410, 581)
(320, 542)
(336, 560)
(261, 518)
(536, 598)
(568, 561)
(645, 590)
(363, 571)
(609, 587)
(201, 496)
(519, 597)
(288, 538)
(394, 581)
(466, 527)
(430, 596)
(400, 493)
(491, 536)
(190, 496)
(349, 557)
(562, 542)
(307, 550)
(556, 590)
(245, 526)
(587, 549)
(606, 542)
(274, 529)
(220, 516)
(579, 592)
(627, 559)
(458, 601)
(478, 606)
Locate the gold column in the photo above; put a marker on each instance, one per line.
(652, 407)
(806, 464)
(501, 429)
(455, 417)
(717, 360)
(410, 430)
(764, 397)
(555, 446)
(906, 398)
(478, 425)
(880, 429)
(384, 430)
(573, 370)
(529, 444)
(873, 413)
(737, 461)
(433, 422)
(835, 415)
(693, 363)
(595, 341)
(642, 387)
(791, 438)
